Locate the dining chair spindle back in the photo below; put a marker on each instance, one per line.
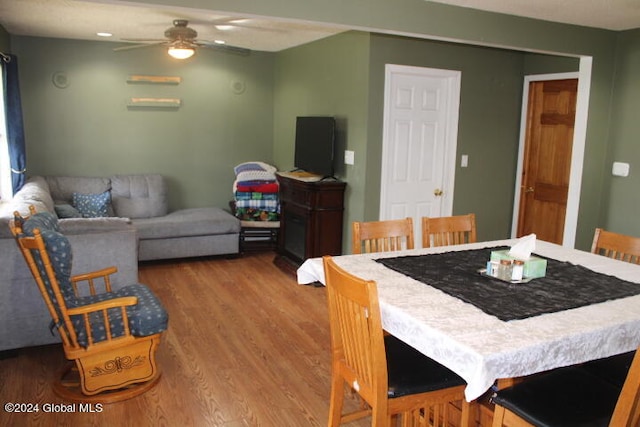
(617, 246)
(382, 236)
(449, 230)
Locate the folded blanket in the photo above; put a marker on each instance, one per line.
(249, 214)
(253, 166)
(256, 175)
(254, 195)
(250, 171)
(265, 205)
(256, 186)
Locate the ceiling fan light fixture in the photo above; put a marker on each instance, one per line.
(181, 52)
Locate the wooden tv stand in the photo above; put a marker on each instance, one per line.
(311, 215)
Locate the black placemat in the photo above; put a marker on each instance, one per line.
(565, 285)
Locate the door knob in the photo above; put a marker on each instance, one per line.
(437, 192)
(529, 190)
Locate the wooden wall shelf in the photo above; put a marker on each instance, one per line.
(164, 80)
(154, 103)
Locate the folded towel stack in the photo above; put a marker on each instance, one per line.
(255, 192)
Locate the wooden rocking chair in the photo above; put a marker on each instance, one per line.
(112, 336)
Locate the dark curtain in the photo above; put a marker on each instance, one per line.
(15, 128)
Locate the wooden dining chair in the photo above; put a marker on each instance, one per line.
(572, 396)
(448, 230)
(617, 246)
(390, 376)
(382, 236)
(112, 336)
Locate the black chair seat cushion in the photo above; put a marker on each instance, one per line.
(411, 372)
(613, 369)
(565, 397)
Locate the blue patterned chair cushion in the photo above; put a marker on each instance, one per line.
(146, 318)
(42, 221)
(92, 205)
(59, 250)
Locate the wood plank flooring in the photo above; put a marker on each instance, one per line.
(246, 346)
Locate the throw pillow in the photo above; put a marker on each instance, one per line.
(67, 211)
(92, 205)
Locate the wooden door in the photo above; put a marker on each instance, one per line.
(547, 158)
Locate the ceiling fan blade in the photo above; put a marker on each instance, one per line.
(143, 40)
(136, 46)
(226, 48)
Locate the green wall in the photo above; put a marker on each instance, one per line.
(5, 41)
(621, 200)
(327, 77)
(605, 201)
(488, 125)
(489, 121)
(344, 76)
(425, 19)
(87, 129)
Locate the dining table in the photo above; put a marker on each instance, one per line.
(437, 300)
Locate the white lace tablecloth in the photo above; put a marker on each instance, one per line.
(480, 347)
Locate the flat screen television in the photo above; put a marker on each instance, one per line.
(315, 141)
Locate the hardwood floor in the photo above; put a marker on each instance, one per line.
(246, 346)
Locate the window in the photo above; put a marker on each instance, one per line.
(6, 192)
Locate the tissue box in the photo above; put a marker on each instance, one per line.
(533, 267)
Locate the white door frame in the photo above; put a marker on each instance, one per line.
(577, 151)
(451, 131)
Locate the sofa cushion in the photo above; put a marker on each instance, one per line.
(72, 226)
(187, 222)
(34, 192)
(65, 210)
(92, 205)
(139, 196)
(63, 187)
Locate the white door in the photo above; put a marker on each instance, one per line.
(419, 143)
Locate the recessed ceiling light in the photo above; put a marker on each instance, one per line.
(223, 27)
(104, 34)
(219, 42)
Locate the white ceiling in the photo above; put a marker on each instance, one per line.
(71, 19)
(606, 14)
(82, 19)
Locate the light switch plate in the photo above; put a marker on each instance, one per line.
(620, 169)
(349, 157)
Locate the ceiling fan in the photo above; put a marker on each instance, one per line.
(182, 42)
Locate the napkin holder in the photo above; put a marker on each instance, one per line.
(534, 266)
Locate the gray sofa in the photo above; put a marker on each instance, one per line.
(140, 228)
